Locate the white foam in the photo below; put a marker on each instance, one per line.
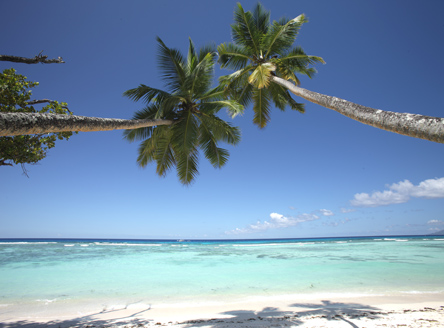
(27, 242)
(125, 244)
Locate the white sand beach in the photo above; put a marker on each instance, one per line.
(289, 311)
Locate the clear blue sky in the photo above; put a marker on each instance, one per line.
(305, 175)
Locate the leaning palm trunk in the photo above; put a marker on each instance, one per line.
(413, 125)
(13, 124)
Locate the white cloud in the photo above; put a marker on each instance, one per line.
(435, 222)
(326, 212)
(276, 221)
(347, 210)
(401, 192)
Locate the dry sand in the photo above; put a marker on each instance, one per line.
(288, 311)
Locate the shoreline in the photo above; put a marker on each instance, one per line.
(418, 310)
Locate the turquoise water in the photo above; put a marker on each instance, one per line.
(157, 272)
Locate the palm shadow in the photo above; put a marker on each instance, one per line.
(267, 317)
(339, 311)
(271, 316)
(90, 320)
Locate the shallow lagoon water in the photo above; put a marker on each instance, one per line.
(170, 272)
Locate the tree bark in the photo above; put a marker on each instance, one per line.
(13, 124)
(37, 59)
(413, 125)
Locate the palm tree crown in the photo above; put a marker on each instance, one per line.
(191, 104)
(260, 51)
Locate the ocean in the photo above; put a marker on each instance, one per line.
(44, 274)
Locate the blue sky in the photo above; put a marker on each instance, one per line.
(305, 175)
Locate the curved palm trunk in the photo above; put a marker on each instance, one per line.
(13, 124)
(413, 125)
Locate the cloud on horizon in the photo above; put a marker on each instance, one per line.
(401, 192)
(436, 222)
(276, 221)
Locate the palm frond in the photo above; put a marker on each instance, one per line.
(207, 49)
(207, 142)
(216, 93)
(282, 35)
(237, 87)
(287, 73)
(220, 129)
(200, 78)
(185, 132)
(261, 107)
(164, 153)
(234, 108)
(151, 149)
(187, 168)
(260, 77)
(278, 96)
(282, 98)
(261, 18)
(191, 57)
(298, 59)
(146, 152)
(145, 93)
(171, 64)
(245, 31)
(233, 56)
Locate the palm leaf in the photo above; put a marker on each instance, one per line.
(217, 93)
(200, 79)
(261, 18)
(245, 31)
(172, 65)
(261, 107)
(222, 130)
(191, 57)
(146, 152)
(260, 77)
(164, 154)
(187, 168)
(207, 49)
(233, 56)
(278, 96)
(217, 156)
(151, 148)
(282, 98)
(297, 58)
(145, 93)
(234, 108)
(282, 35)
(185, 132)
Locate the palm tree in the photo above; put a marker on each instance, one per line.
(264, 62)
(262, 50)
(192, 106)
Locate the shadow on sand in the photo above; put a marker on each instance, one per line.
(88, 321)
(272, 317)
(266, 317)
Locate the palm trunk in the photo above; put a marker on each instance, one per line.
(13, 124)
(413, 125)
